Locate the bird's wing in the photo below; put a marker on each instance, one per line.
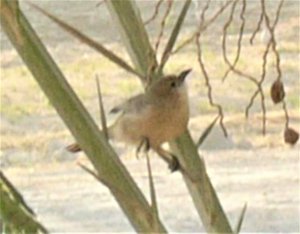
(136, 106)
(133, 105)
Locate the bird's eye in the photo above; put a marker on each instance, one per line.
(173, 84)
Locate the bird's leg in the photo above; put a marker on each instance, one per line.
(169, 158)
(173, 162)
(143, 144)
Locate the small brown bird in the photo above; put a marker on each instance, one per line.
(159, 115)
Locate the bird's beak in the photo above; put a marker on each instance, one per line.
(183, 74)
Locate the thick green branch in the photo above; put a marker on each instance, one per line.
(75, 116)
(127, 18)
(195, 175)
(16, 214)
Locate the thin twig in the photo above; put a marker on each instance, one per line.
(163, 24)
(287, 119)
(257, 82)
(272, 37)
(264, 111)
(90, 42)
(204, 72)
(154, 207)
(224, 38)
(241, 219)
(206, 132)
(276, 53)
(209, 88)
(101, 108)
(260, 90)
(173, 36)
(155, 13)
(202, 28)
(108, 184)
(239, 43)
(271, 42)
(203, 14)
(258, 26)
(215, 16)
(150, 70)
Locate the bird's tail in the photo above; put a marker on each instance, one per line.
(74, 148)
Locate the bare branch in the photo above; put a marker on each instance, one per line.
(271, 42)
(287, 119)
(241, 219)
(215, 16)
(272, 36)
(155, 13)
(239, 43)
(209, 88)
(232, 66)
(226, 26)
(163, 24)
(258, 26)
(204, 72)
(173, 36)
(203, 27)
(89, 41)
(259, 90)
(108, 184)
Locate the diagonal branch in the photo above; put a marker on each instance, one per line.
(77, 119)
(90, 42)
(155, 13)
(173, 36)
(101, 108)
(203, 27)
(163, 24)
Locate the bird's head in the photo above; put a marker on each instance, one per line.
(169, 85)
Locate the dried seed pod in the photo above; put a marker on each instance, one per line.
(277, 91)
(291, 136)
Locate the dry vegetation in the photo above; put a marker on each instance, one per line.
(31, 132)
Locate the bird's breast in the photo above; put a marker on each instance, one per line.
(159, 122)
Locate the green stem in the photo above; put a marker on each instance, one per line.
(201, 189)
(76, 117)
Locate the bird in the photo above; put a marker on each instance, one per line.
(158, 115)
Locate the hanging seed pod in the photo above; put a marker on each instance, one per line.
(277, 91)
(291, 136)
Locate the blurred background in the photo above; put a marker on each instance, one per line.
(247, 166)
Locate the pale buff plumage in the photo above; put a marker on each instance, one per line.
(159, 115)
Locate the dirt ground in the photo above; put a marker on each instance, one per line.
(247, 167)
(67, 199)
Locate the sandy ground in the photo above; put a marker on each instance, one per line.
(69, 200)
(246, 168)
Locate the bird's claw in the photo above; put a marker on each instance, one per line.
(144, 144)
(174, 164)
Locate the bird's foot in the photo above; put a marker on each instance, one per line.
(174, 164)
(145, 145)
